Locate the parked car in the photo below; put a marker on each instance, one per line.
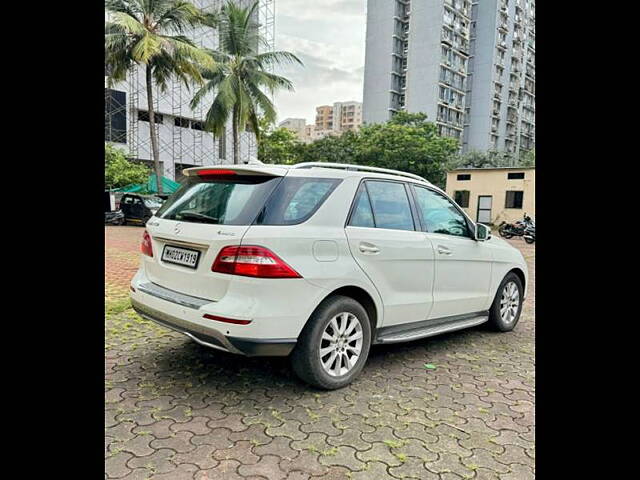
(138, 209)
(319, 261)
(114, 218)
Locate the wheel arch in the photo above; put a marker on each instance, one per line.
(361, 296)
(520, 274)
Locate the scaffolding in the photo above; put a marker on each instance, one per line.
(182, 142)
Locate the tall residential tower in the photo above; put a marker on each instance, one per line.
(470, 66)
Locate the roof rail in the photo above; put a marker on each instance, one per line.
(359, 168)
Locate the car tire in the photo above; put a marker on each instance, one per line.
(529, 240)
(507, 320)
(307, 359)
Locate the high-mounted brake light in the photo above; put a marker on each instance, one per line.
(145, 246)
(214, 171)
(252, 261)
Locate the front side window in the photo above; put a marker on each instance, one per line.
(439, 215)
(390, 205)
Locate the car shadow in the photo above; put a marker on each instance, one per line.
(187, 359)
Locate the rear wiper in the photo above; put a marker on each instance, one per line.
(198, 217)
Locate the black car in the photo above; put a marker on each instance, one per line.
(138, 209)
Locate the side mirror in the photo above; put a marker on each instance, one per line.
(483, 233)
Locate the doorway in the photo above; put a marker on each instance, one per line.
(484, 208)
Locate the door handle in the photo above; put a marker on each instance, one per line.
(443, 250)
(368, 248)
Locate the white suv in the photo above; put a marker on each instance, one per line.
(320, 261)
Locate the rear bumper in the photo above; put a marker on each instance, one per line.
(212, 338)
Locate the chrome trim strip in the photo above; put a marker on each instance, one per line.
(172, 296)
(434, 330)
(184, 243)
(206, 344)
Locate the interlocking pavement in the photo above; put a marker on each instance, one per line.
(176, 410)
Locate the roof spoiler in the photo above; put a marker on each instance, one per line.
(255, 169)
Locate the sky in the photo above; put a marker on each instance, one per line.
(329, 37)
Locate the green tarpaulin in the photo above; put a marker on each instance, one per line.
(168, 186)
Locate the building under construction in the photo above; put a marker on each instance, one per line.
(182, 140)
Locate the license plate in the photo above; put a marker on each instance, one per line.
(180, 256)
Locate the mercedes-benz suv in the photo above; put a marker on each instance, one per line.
(319, 262)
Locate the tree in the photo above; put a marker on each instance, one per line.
(279, 146)
(342, 148)
(407, 142)
(120, 172)
(240, 74)
(493, 159)
(149, 33)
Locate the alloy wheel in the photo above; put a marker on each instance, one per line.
(341, 344)
(509, 303)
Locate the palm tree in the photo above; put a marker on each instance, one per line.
(149, 33)
(240, 74)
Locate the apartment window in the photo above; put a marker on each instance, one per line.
(181, 122)
(461, 197)
(463, 176)
(514, 199)
(143, 116)
(115, 116)
(515, 176)
(197, 125)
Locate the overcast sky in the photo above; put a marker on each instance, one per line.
(329, 37)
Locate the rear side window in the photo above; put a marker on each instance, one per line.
(295, 200)
(390, 205)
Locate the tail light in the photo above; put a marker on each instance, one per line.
(252, 261)
(145, 246)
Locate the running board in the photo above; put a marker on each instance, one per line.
(431, 330)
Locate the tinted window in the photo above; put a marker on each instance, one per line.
(295, 200)
(219, 201)
(464, 176)
(390, 205)
(362, 215)
(515, 176)
(514, 199)
(439, 215)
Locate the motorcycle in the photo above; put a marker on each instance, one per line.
(530, 234)
(509, 230)
(114, 218)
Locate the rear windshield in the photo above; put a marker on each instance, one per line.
(247, 200)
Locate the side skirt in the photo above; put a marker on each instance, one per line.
(429, 328)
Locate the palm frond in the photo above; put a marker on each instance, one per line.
(128, 23)
(179, 15)
(269, 59)
(146, 47)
